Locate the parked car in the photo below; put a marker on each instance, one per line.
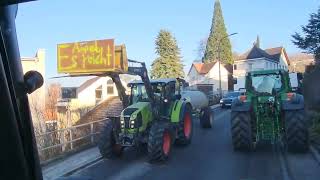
(227, 99)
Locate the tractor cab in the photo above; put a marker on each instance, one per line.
(269, 82)
(165, 92)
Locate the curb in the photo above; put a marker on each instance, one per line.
(315, 153)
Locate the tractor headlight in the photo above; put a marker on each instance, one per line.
(121, 121)
(132, 126)
(132, 122)
(122, 126)
(221, 101)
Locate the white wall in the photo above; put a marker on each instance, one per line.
(213, 77)
(240, 83)
(87, 97)
(257, 64)
(283, 63)
(194, 77)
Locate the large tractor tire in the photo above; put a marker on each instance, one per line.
(241, 131)
(206, 118)
(185, 128)
(159, 142)
(296, 131)
(107, 144)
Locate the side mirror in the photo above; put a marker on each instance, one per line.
(33, 80)
(235, 80)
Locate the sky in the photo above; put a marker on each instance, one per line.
(46, 23)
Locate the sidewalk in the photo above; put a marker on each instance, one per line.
(57, 169)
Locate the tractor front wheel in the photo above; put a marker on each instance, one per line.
(185, 128)
(206, 117)
(296, 131)
(241, 131)
(159, 142)
(107, 144)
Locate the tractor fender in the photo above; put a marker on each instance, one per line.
(237, 105)
(297, 102)
(178, 110)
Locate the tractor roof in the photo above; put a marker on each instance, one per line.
(272, 71)
(155, 81)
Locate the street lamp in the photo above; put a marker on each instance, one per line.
(219, 59)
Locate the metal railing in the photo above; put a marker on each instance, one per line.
(55, 143)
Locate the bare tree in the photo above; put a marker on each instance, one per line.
(37, 112)
(201, 48)
(52, 96)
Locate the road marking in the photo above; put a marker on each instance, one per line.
(132, 171)
(283, 164)
(315, 154)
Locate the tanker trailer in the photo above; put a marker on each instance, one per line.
(200, 105)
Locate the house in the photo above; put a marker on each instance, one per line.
(89, 93)
(259, 59)
(80, 95)
(207, 74)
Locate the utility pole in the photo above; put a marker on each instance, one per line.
(219, 60)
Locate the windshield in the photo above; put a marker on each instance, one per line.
(266, 83)
(232, 94)
(218, 124)
(138, 94)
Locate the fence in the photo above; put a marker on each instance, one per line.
(55, 143)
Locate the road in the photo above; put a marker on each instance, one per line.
(210, 156)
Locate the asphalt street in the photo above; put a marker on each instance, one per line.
(210, 156)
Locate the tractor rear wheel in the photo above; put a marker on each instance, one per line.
(107, 144)
(185, 128)
(296, 131)
(159, 142)
(206, 117)
(241, 131)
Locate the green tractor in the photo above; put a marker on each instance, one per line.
(269, 112)
(156, 117)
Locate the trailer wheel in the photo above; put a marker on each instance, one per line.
(296, 131)
(159, 142)
(241, 131)
(185, 128)
(107, 144)
(206, 118)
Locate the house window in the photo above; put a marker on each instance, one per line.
(110, 87)
(235, 67)
(98, 94)
(69, 93)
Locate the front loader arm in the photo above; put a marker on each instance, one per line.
(142, 71)
(121, 90)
